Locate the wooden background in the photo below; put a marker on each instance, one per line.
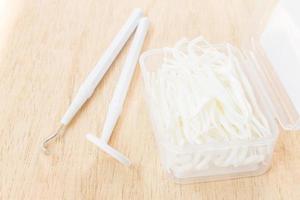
(47, 47)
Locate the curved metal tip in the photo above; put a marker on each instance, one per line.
(51, 138)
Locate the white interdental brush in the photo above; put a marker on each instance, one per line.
(87, 88)
(116, 104)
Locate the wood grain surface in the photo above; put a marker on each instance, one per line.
(47, 47)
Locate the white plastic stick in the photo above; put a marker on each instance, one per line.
(95, 76)
(116, 105)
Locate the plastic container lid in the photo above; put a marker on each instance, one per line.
(281, 42)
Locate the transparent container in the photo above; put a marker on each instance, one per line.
(275, 85)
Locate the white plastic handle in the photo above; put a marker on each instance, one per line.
(116, 105)
(95, 76)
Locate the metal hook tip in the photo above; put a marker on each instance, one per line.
(51, 138)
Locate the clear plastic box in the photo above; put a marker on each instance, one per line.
(276, 89)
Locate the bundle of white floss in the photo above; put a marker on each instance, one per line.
(200, 95)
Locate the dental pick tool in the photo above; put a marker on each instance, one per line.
(116, 104)
(87, 88)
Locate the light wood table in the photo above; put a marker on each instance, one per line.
(46, 50)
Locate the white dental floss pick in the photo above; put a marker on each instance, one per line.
(89, 85)
(116, 104)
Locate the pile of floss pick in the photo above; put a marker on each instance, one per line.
(200, 96)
